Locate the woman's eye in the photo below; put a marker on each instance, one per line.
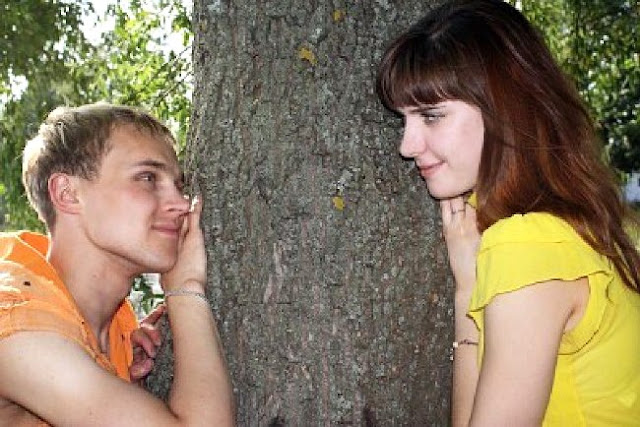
(430, 116)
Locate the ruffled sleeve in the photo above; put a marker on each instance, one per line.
(526, 249)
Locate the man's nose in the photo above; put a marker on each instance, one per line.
(179, 202)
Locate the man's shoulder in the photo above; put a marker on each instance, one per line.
(22, 246)
(30, 302)
(19, 284)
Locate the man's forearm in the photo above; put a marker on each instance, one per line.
(201, 389)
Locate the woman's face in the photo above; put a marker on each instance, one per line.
(445, 140)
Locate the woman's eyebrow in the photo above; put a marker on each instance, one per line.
(423, 108)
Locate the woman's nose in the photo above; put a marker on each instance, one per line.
(412, 142)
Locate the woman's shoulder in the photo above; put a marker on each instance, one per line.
(531, 248)
(540, 227)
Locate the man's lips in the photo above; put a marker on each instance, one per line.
(427, 171)
(169, 230)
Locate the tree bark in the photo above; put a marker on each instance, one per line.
(327, 270)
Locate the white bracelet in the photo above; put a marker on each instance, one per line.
(465, 341)
(456, 344)
(186, 293)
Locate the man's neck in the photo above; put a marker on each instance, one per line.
(97, 282)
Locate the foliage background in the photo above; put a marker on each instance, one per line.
(46, 60)
(596, 41)
(144, 58)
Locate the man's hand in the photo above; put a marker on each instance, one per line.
(146, 340)
(190, 270)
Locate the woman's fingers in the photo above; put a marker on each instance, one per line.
(445, 210)
(462, 238)
(451, 209)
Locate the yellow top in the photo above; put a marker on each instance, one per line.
(597, 376)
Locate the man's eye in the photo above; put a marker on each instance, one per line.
(147, 176)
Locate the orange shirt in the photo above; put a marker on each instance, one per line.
(33, 298)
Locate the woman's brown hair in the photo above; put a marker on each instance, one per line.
(540, 150)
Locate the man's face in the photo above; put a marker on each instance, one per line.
(133, 210)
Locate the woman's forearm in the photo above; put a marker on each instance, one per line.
(465, 362)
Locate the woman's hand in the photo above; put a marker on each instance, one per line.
(461, 234)
(190, 270)
(462, 237)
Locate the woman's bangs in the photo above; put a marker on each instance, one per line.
(414, 75)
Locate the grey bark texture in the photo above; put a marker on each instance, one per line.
(327, 271)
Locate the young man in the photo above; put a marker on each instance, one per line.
(106, 182)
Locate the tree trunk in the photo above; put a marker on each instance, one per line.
(327, 271)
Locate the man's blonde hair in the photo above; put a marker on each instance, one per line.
(73, 140)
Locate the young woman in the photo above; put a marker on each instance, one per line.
(547, 299)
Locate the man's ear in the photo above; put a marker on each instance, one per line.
(63, 193)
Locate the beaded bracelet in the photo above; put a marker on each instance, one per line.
(186, 293)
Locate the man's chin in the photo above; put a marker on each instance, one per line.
(163, 266)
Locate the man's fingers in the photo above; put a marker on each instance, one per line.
(153, 334)
(153, 317)
(187, 223)
(194, 215)
(141, 369)
(138, 355)
(147, 338)
(196, 206)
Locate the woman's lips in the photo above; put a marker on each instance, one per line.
(427, 171)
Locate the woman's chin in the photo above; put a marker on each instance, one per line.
(445, 195)
(444, 192)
